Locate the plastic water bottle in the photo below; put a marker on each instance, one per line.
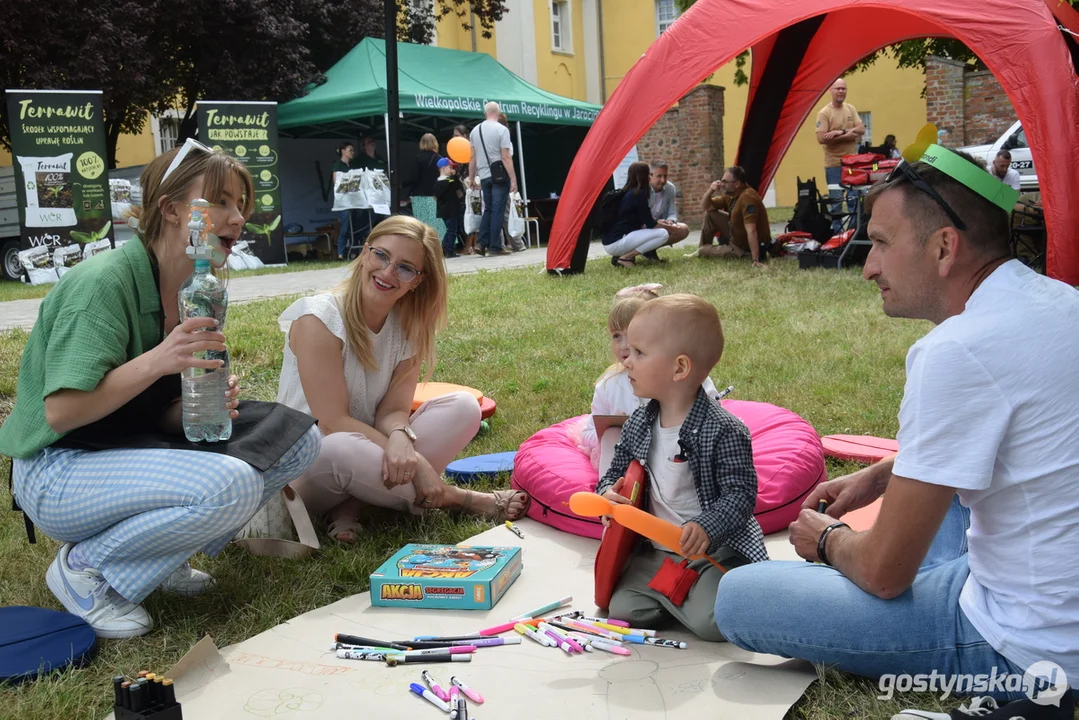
(205, 415)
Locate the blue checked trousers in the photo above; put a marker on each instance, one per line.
(137, 515)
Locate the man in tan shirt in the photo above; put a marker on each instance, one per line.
(738, 218)
(839, 129)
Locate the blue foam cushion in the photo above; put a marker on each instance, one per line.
(35, 640)
(469, 469)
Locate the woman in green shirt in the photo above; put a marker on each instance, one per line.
(99, 460)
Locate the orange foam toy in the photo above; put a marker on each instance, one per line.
(665, 533)
(863, 518)
(860, 448)
(431, 390)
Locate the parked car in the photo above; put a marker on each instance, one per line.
(1013, 140)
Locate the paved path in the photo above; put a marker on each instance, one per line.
(23, 313)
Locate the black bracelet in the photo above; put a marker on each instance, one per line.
(823, 536)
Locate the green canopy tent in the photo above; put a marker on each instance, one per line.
(436, 85)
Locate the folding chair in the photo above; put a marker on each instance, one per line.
(1028, 238)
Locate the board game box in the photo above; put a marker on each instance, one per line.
(445, 577)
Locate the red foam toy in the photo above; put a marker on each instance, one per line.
(617, 544)
(860, 448)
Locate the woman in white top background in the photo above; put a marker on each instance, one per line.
(353, 360)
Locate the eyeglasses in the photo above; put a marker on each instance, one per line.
(189, 145)
(404, 272)
(904, 170)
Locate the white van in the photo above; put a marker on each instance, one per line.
(1015, 142)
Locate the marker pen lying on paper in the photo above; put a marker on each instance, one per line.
(610, 647)
(584, 642)
(433, 685)
(558, 642)
(469, 692)
(659, 642)
(514, 530)
(499, 629)
(462, 709)
(453, 693)
(563, 639)
(409, 659)
(455, 650)
(593, 630)
(362, 654)
(346, 646)
(545, 609)
(445, 638)
(525, 630)
(429, 696)
(427, 644)
(356, 640)
(494, 642)
(623, 630)
(578, 615)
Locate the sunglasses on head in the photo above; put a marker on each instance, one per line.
(189, 145)
(905, 171)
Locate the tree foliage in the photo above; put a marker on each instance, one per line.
(151, 55)
(907, 54)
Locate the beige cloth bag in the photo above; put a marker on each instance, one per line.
(281, 528)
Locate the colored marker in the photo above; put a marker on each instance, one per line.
(168, 692)
(143, 673)
(545, 609)
(428, 644)
(623, 630)
(469, 692)
(495, 642)
(562, 638)
(525, 630)
(462, 709)
(665, 643)
(454, 692)
(499, 629)
(118, 690)
(610, 647)
(356, 640)
(558, 643)
(433, 685)
(429, 696)
(447, 638)
(408, 659)
(151, 689)
(724, 393)
(362, 654)
(345, 646)
(576, 614)
(514, 530)
(125, 697)
(584, 627)
(135, 693)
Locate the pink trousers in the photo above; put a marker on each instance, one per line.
(351, 465)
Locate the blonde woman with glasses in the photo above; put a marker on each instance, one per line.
(352, 359)
(100, 461)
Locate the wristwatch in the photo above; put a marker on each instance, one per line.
(407, 431)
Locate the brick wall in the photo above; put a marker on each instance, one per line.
(689, 138)
(968, 104)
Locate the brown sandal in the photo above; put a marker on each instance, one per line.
(503, 498)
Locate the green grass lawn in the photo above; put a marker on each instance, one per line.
(813, 341)
(21, 291)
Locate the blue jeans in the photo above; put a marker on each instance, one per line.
(344, 234)
(842, 200)
(449, 240)
(812, 612)
(494, 210)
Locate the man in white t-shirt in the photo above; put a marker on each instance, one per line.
(491, 144)
(988, 430)
(1002, 170)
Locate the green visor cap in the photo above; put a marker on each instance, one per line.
(972, 176)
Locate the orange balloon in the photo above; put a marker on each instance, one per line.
(459, 150)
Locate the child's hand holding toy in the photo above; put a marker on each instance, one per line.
(695, 540)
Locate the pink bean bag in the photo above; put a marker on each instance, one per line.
(787, 455)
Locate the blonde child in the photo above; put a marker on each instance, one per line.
(613, 394)
(700, 465)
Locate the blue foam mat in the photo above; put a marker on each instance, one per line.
(471, 468)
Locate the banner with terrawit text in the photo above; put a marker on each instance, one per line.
(248, 131)
(62, 182)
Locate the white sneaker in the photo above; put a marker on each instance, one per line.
(978, 707)
(185, 580)
(88, 595)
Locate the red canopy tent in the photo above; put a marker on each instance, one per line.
(799, 47)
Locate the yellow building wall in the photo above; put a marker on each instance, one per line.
(562, 73)
(450, 34)
(131, 150)
(893, 96)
